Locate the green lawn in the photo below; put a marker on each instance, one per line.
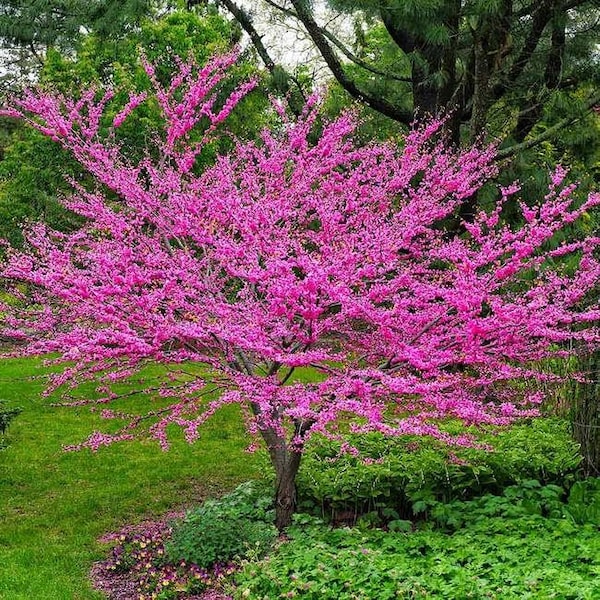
(54, 505)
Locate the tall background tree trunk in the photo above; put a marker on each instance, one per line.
(585, 414)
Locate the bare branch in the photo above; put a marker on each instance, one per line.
(379, 104)
(342, 47)
(548, 133)
(35, 54)
(245, 21)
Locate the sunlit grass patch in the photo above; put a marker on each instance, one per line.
(54, 505)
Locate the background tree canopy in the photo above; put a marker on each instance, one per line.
(524, 72)
(63, 22)
(520, 69)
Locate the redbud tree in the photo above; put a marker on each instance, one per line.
(296, 250)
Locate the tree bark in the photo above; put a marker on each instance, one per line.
(532, 111)
(585, 415)
(481, 78)
(433, 72)
(287, 463)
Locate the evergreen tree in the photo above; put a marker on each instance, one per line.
(499, 65)
(47, 23)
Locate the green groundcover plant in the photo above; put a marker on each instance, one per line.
(524, 544)
(238, 525)
(531, 541)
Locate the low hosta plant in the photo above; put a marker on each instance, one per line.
(583, 504)
(528, 498)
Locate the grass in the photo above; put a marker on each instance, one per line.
(55, 505)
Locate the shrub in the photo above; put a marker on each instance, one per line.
(6, 416)
(237, 525)
(400, 473)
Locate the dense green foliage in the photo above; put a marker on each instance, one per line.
(234, 526)
(30, 28)
(505, 548)
(32, 179)
(33, 168)
(529, 498)
(403, 473)
(62, 22)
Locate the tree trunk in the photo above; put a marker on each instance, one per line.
(286, 463)
(481, 78)
(286, 469)
(532, 110)
(585, 415)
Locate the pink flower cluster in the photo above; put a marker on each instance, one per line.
(292, 252)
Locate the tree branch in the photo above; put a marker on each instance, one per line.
(549, 133)
(245, 21)
(540, 19)
(342, 47)
(337, 69)
(35, 54)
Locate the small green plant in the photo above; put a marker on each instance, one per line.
(583, 505)
(527, 499)
(237, 525)
(6, 416)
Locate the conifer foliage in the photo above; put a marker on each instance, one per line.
(61, 22)
(294, 251)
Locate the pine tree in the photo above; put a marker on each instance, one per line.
(499, 65)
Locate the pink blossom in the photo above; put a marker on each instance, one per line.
(291, 254)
